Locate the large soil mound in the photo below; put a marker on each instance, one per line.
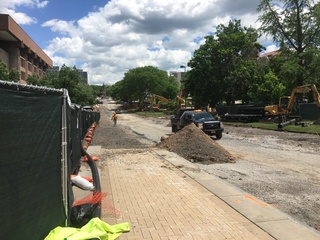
(193, 144)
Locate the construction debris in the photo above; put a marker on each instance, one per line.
(194, 145)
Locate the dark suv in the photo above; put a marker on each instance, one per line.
(204, 120)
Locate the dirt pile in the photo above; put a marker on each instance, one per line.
(194, 145)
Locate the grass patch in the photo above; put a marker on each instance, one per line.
(307, 129)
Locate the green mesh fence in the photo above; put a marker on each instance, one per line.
(30, 163)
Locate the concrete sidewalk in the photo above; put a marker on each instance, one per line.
(163, 196)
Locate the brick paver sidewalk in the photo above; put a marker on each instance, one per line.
(161, 202)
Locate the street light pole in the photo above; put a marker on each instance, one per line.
(184, 90)
(185, 70)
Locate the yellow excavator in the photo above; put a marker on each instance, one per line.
(184, 103)
(181, 103)
(286, 104)
(156, 101)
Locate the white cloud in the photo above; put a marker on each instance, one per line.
(62, 27)
(125, 34)
(22, 18)
(42, 4)
(9, 7)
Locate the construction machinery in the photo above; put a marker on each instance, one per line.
(157, 102)
(184, 102)
(181, 103)
(244, 113)
(286, 105)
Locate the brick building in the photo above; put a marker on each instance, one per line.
(19, 51)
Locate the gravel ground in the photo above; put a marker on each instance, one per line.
(279, 168)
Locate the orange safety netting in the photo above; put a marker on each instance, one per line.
(109, 209)
(94, 198)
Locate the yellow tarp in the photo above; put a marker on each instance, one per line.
(95, 228)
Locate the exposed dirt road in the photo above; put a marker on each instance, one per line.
(280, 168)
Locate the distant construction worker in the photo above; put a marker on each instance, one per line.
(114, 118)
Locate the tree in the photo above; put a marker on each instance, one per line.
(14, 75)
(70, 79)
(202, 79)
(223, 68)
(117, 91)
(141, 82)
(269, 90)
(4, 75)
(98, 90)
(50, 79)
(295, 25)
(35, 80)
(83, 94)
(170, 92)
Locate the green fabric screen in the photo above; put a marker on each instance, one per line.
(30, 162)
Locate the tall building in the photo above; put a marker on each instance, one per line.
(19, 51)
(177, 75)
(82, 73)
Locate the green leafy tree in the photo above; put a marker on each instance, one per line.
(269, 90)
(174, 81)
(223, 68)
(295, 25)
(4, 75)
(141, 82)
(14, 75)
(35, 80)
(83, 94)
(171, 91)
(116, 91)
(97, 90)
(203, 79)
(50, 79)
(312, 69)
(70, 79)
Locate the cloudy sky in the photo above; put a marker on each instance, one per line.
(107, 38)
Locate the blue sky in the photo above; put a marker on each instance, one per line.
(107, 38)
(68, 10)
